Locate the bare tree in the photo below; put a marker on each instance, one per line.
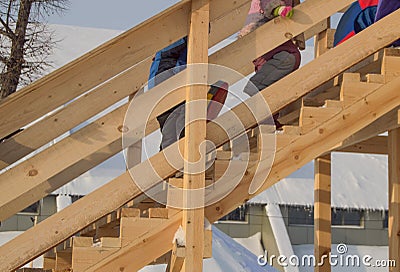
(25, 41)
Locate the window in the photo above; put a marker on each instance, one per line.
(32, 209)
(75, 198)
(237, 215)
(301, 216)
(386, 220)
(342, 217)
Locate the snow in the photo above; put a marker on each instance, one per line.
(252, 243)
(179, 237)
(63, 201)
(280, 233)
(378, 253)
(359, 181)
(228, 255)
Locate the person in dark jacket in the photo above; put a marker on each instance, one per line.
(386, 7)
(277, 63)
(166, 63)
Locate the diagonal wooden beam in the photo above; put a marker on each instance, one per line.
(375, 145)
(101, 64)
(39, 185)
(300, 151)
(125, 84)
(55, 229)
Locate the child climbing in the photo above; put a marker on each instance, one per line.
(166, 63)
(280, 61)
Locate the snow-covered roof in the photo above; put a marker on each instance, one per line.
(359, 181)
(228, 255)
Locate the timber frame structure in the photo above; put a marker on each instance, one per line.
(341, 100)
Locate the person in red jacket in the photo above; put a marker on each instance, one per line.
(278, 62)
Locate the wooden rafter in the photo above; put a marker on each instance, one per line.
(9, 253)
(226, 58)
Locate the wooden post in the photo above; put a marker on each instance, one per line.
(321, 42)
(394, 198)
(322, 212)
(195, 132)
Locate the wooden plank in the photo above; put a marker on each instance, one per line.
(286, 161)
(391, 63)
(165, 105)
(322, 212)
(144, 248)
(82, 242)
(53, 230)
(127, 83)
(32, 175)
(132, 228)
(195, 134)
(383, 124)
(177, 258)
(394, 197)
(158, 213)
(303, 148)
(85, 73)
(84, 257)
(352, 89)
(130, 212)
(375, 145)
(280, 30)
(64, 260)
(321, 41)
(311, 117)
(305, 144)
(116, 56)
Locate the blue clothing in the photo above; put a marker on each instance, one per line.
(386, 7)
(173, 57)
(357, 17)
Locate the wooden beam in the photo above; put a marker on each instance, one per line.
(376, 145)
(304, 144)
(195, 135)
(54, 230)
(304, 148)
(84, 73)
(394, 197)
(386, 122)
(321, 40)
(32, 176)
(279, 32)
(129, 82)
(49, 186)
(322, 212)
(177, 258)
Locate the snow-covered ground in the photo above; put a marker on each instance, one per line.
(228, 255)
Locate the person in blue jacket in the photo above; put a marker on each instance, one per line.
(166, 63)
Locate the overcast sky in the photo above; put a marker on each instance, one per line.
(110, 14)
